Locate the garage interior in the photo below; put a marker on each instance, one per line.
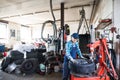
(34, 33)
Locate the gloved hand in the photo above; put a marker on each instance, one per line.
(82, 57)
(73, 60)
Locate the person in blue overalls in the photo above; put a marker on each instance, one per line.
(72, 49)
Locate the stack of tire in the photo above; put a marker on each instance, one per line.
(82, 67)
(40, 56)
(28, 65)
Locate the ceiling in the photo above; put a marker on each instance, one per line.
(35, 12)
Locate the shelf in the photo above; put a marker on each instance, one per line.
(103, 24)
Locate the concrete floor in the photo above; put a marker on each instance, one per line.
(52, 76)
(34, 76)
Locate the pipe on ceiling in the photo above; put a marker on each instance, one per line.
(94, 9)
(38, 12)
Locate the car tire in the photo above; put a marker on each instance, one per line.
(84, 66)
(29, 66)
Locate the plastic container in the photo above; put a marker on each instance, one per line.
(56, 68)
(2, 48)
(42, 67)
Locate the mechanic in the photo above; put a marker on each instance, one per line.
(72, 49)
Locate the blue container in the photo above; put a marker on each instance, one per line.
(2, 48)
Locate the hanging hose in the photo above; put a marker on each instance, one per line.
(51, 22)
(54, 29)
(51, 10)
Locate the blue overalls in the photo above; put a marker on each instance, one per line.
(73, 54)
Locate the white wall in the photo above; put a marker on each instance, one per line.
(104, 11)
(36, 31)
(12, 40)
(25, 34)
(117, 25)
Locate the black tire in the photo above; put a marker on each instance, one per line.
(31, 55)
(16, 55)
(29, 66)
(47, 54)
(5, 63)
(19, 62)
(41, 58)
(51, 60)
(82, 67)
(41, 50)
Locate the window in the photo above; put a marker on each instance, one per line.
(3, 31)
(25, 34)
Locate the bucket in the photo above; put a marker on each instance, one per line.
(56, 68)
(42, 67)
(2, 48)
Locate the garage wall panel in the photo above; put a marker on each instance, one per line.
(117, 25)
(13, 34)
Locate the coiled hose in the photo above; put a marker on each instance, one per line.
(54, 29)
